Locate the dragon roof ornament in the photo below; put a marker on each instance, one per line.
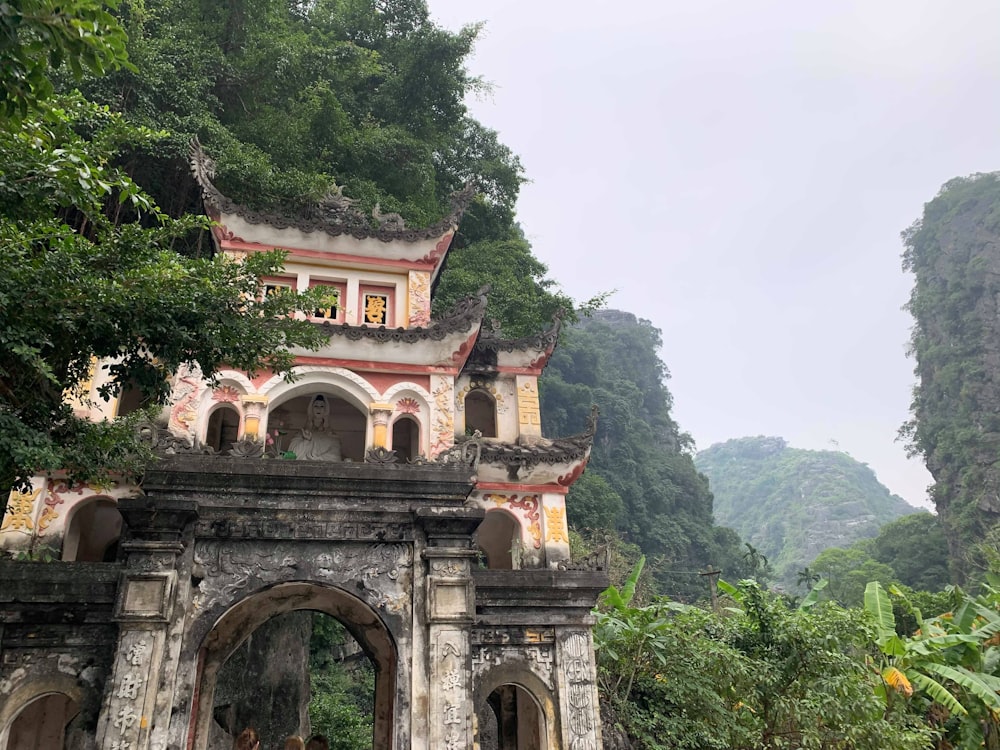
(516, 457)
(464, 316)
(491, 340)
(334, 214)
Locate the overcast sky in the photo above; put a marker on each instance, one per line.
(740, 172)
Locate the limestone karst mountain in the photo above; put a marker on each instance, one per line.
(791, 504)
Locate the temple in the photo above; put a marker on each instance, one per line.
(400, 483)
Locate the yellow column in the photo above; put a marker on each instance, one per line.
(253, 410)
(380, 423)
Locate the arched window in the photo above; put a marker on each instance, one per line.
(406, 438)
(131, 399)
(223, 429)
(93, 531)
(480, 414)
(499, 537)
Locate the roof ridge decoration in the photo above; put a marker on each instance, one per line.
(464, 316)
(491, 339)
(333, 214)
(516, 457)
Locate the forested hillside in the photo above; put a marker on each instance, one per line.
(791, 504)
(641, 481)
(954, 253)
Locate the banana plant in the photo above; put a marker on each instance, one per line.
(629, 639)
(950, 660)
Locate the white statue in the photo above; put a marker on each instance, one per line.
(316, 441)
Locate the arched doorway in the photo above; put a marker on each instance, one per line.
(511, 719)
(268, 606)
(93, 531)
(406, 438)
(498, 538)
(481, 414)
(40, 724)
(223, 429)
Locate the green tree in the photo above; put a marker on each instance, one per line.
(849, 570)
(760, 676)
(39, 36)
(915, 548)
(81, 285)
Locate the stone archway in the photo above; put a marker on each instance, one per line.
(498, 537)
(37, 716)
(246, 616)
(92, 531)
(515, 711)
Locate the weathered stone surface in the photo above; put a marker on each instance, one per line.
(204, 626)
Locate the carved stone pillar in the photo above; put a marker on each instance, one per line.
(144, 611)
(380, 424)
(253, 411)
(577, 679)
(451, 606)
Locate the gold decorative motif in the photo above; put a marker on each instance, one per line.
(375, 309)
(528, 412)
(555, 525)
(498, 500)
(19, 508)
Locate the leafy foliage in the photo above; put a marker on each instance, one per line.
(758, 675)
(39, 36)
(90, 273)
(791, 504)
(952, 252)
(342, 704)
(949, 664)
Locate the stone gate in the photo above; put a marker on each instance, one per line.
(400, 483)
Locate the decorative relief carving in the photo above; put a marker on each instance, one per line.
(444, 418)
(150, 562)
(450, 567)
(408, 406)
(187, 389)
(231, 567)
(582, 709)
(555, 525)
(420, 298)
(263, 528)
(226, 394)
(20, 508)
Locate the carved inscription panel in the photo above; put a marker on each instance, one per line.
(380, 573)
